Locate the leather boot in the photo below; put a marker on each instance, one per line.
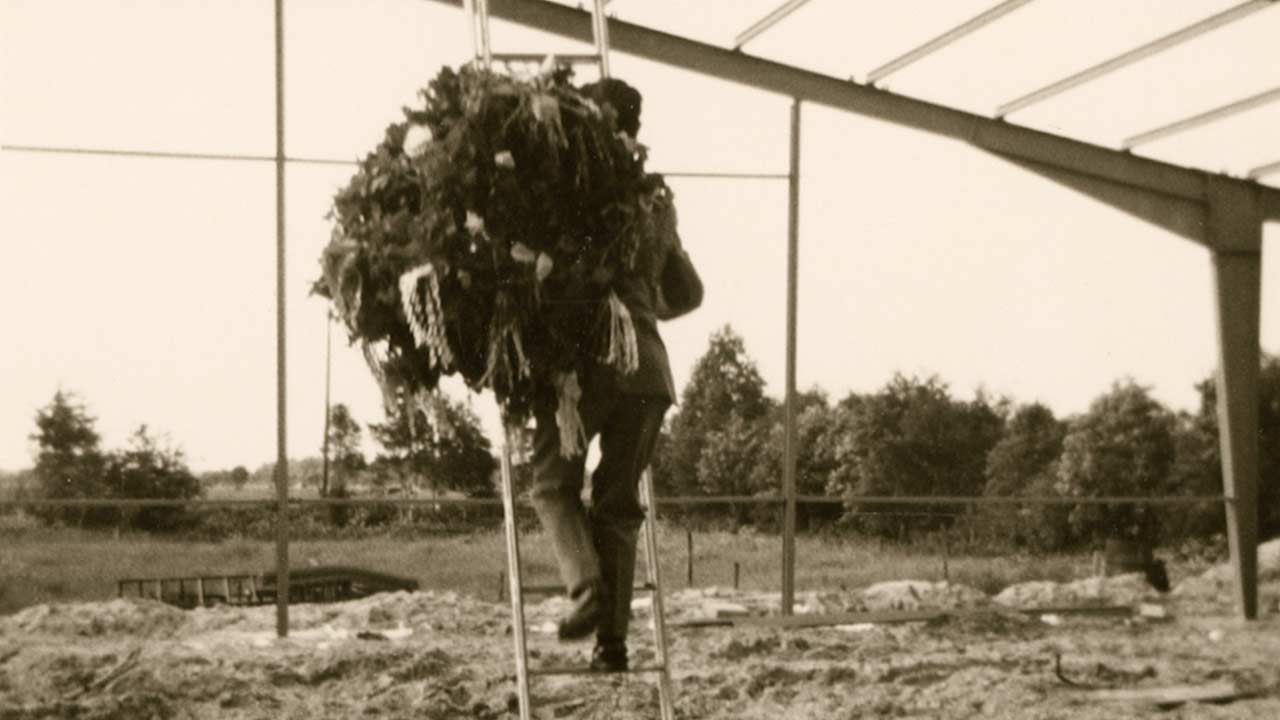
(609, 657)
(584, 618)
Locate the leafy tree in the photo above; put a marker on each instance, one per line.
(343, 461)
(239, 477)
(1031, 443)
(1024, 462)
(818, 430)
(440, 442)
(725, 385)
(912, 438)
(346, 458)
(1204, 453)
(69, 461)
(730, 462)
(1124, 445)
(1196, 470)
(148, 470)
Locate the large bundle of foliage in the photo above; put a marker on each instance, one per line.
(485, 235)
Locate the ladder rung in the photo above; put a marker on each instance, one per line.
(571, 59)
(588, 670)
(559, 589)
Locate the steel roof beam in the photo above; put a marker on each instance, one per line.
(950, 36)
(760, 26)
(1264, 170)
(1204, 118)
(1130, 57)
(1009, 140)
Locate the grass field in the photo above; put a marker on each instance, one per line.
(42, 564)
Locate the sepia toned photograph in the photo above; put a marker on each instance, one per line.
(631, 359)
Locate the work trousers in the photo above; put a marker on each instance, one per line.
(596, 547)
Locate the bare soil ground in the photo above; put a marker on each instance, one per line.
(447, 655)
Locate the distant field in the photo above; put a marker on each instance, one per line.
(55, 564)
(257, 491)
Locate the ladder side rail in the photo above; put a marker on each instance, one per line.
(513, 576)
(600, 34)
(485, 49)
(657, 607)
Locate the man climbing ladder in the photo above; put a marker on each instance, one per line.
(596, 548)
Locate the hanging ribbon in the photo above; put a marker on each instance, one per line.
(425, 317)
(620, 349)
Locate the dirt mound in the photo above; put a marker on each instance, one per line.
(1217, 580)
(1115, 590)
(443, 655)
(125, 618)
(922, 595)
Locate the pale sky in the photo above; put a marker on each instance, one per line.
(147, 286)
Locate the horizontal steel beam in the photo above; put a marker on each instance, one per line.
(166, 155)
(1264, 170)
(996, 136)
(1204, 118)
(1125, 59)
(969, 27)
(773, 18)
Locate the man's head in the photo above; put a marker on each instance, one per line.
(624, 99)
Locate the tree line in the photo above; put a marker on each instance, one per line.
(913, 438)
(909, 438)
(436, 446)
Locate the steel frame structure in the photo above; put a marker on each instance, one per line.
(1222, 213)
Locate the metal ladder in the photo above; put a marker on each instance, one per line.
(477, 17)
(517, 590)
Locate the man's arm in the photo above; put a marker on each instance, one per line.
(679, 286)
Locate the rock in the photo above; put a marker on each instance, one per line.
(921, 594)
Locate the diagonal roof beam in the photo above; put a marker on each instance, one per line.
(758, 27)
(1204, 118)
(970, 26)
(1130, 57)
(1264, 170)
(1147, 174)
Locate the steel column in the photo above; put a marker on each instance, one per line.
(1235, 228)
(1237, 280)
(282, 455)
(789, 435)
(328, 410)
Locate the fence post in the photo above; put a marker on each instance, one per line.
(946, 554)
(688, 534)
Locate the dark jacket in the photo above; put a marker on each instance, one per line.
(642, 293)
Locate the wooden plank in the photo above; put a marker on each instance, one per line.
(1172, 695)
(588, 670)
(878, 617)
(795, 621)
